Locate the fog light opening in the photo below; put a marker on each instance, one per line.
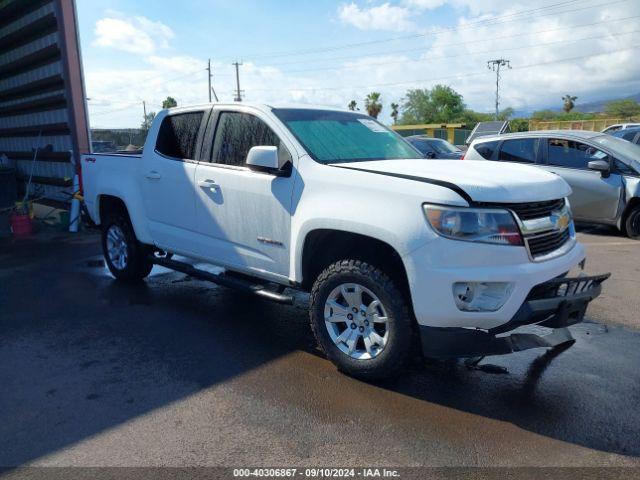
(481, 296)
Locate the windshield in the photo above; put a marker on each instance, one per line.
(629, 151)
(442, 146)
(333, 136)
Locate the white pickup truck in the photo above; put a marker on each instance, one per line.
(400, 254)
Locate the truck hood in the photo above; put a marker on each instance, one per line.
(482, 181)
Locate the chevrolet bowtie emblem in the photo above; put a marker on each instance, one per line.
(560, 220)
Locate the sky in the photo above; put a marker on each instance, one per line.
(330, 52)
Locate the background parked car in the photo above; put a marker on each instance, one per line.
(603, 170)
(435, 147)
(620, 126)
(630, 134)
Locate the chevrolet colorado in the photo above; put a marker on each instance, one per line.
(399, 254)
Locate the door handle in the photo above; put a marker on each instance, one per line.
(153, 175)
(207, 184)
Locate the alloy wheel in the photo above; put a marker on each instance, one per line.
(357, 321)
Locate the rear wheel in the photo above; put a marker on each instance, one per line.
(360, 320)
(125, 256)
(632, 223)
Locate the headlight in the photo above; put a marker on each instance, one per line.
(474, 224)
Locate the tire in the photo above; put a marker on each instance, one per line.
(632, 223)
(367, 362)
(130, 263)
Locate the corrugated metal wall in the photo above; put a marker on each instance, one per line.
(42, 99)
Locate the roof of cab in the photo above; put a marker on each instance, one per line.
(258, 106)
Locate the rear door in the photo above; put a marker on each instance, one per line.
(167, 181)
(243, 216)
(595, 197)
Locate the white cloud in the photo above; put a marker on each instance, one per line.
(454, 56)
(381, 17)
(137, 35)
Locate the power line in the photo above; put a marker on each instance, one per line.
(465, 54)
(423, 49)
(448, 77)
(492, 21)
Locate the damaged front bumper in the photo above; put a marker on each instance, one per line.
(557, 304)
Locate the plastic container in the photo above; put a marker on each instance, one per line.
(21, 225)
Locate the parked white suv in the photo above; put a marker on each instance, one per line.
(397, 251)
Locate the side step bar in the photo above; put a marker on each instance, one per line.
(224, 280)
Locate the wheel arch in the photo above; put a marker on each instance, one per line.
(323, 246)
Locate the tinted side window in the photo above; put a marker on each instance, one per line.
(178, 134)
(524, 150)
(237, 133)
(486, 149)
(570, 154)
(423, 146)
(629, 136)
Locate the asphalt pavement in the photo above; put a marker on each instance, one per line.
(177, 372)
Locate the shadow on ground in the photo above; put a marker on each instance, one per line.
(81, 353)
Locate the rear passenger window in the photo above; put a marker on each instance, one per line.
(523, 150)
(570, 154)
(178, 135)
(486, 149)
(237, 133)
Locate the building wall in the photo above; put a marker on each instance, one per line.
(42, 97)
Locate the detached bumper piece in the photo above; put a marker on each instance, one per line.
(555, 304)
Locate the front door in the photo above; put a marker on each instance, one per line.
(167, 182)
(244, 216)
(595, 197)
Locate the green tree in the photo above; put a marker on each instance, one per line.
(568, 103)
(622, 108)
(447, 104)
(441, 104)
(147, 121)
(352, 105)
(373, 105)
(395, 112)
(169, 102)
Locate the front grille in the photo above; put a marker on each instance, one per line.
(529, 211)
(543, 243)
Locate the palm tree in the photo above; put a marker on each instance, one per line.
(353, 105)
(394, 112)
(373, 105)
(568, 103)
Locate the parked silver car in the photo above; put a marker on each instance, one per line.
(603, 171)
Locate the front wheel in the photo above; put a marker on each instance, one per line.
(123, 253)
(360, 319)
(632, 223)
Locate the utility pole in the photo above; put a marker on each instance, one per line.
(238, 91)
(211, 89)
(144, 108)
(495, 65)
(209, 77)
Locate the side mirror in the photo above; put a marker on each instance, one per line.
(429, 155)
(601, 166)
(264, 159)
